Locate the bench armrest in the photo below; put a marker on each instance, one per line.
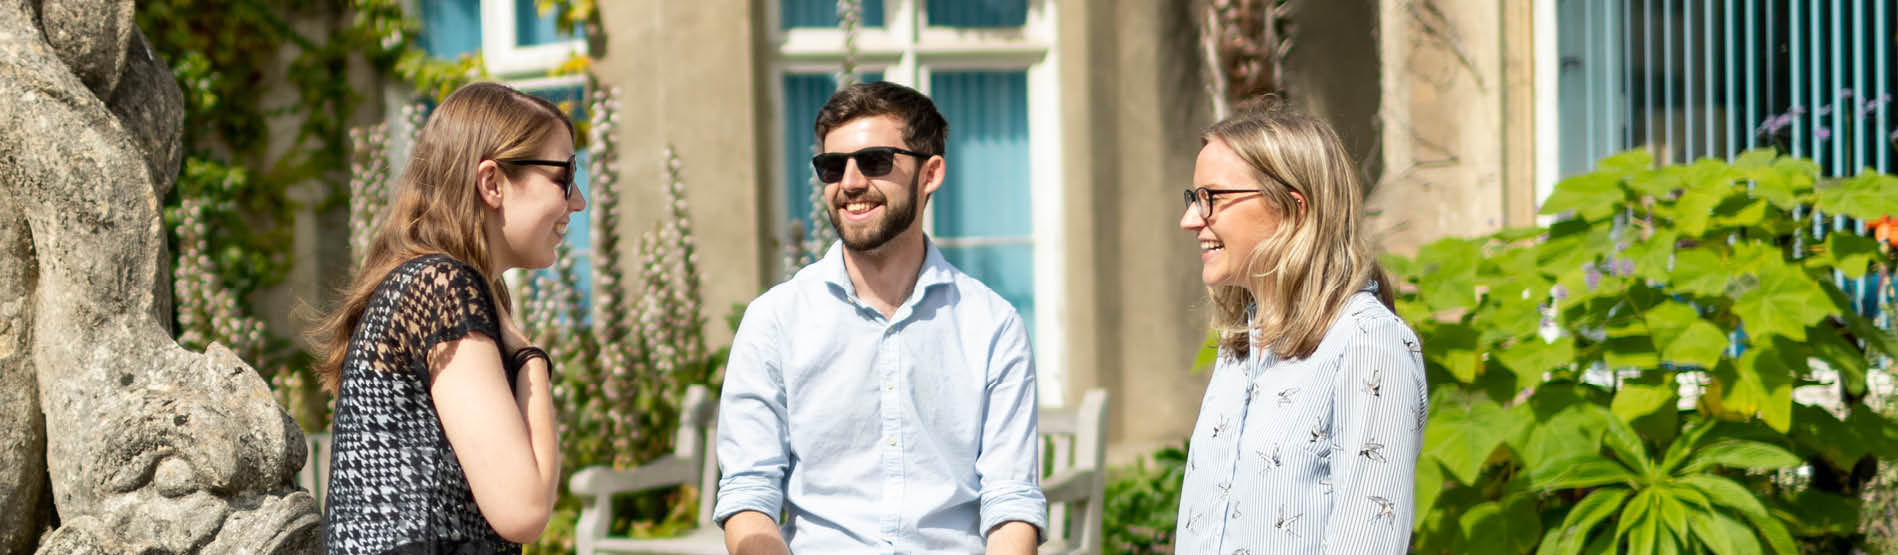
(1069, 485)
(667, 470)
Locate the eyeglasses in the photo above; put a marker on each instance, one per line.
(1203, 197)
(565, 180)
(873, 162)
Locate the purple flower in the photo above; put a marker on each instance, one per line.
(1824, 111)
(1591, 276)
(1822, 133)
(1845, 93)
(1624, 267)
(1558, 292)
(1796, 110)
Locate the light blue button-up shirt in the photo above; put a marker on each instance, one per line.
(1312, 455)
(909, 434)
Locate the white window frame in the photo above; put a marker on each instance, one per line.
(906, 49)
(501, 49)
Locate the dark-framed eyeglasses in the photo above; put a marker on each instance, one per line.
(565, 180)
(1203, 198)
(875, 161)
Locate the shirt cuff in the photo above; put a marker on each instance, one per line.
(737, 495)
(1015, 501)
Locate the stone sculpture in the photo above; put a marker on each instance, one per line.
(141, 446)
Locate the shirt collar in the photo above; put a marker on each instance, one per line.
(936, 271)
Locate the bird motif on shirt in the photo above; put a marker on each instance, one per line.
(1285, 395)
(1235, 510)
(1225, 490)
(1318, 433)
(1327, 484)
(1420, 414)
(1241, 551)
(1271, 459)
(1220, 428)
(1285, 524)
(1372, 450)
(1192, 522)
(1412, 345)
(1374, 384)
(1252, 391)
(1386, 510)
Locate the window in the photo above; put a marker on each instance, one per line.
(990, 67)
(520, 46)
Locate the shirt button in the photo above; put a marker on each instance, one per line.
(889, 385)
(891, 440)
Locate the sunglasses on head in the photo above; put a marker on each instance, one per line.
(565, 180)
(875, 161)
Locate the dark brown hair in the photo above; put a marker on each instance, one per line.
(437, 208)
(924, 130)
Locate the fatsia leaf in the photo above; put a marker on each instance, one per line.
(1742, 454)
(1850, 253)
(1585, 471)
(1700, 271)
(1591, 510)
(1724, 535)
(1627, 446)
(1638, 400)
(1589, 196)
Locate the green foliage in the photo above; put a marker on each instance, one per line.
(1142, 503)
(1559, 358)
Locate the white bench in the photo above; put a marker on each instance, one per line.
(1076, 489)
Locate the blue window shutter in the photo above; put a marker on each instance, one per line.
(451, 28)
(804, 95)
(983, 217)
(823, 13)
(978, 13)
(531, 28)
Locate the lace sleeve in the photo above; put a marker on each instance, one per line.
(452, 300)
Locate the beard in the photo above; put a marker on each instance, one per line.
(897, 216)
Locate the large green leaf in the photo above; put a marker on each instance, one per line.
(1742, 454)
(1454, 348)
(1762, 383)
(1684, 338)
(1725, 493)
(1867, 196)
(1723, 534)
(1568, 538)
(1429, 486)
(1695, 210)
(1636, 400)
(1875, 338)
(1584, 471)
(1531, 357)
(1589, 196)
(1447, 278)
(1462, 433)
(1701, 272)
(1627, 447)
(1850, 253)
(1785, 301)
(1645, 528)
(1839, 443)
(1508, 527)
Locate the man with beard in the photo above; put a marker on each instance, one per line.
(882, 400)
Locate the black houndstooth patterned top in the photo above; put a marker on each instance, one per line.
(395, 484)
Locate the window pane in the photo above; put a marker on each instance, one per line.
(986, 190)
(823, 13)
(978, 13)
(804, 95)
(532, 28)
(1008, 269)
(451, 28)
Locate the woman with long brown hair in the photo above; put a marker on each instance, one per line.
(444, 428)
(1308, 436)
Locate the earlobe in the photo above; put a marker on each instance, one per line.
(935, 168)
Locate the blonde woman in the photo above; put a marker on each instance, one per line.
(1308, 436)
(444, 428)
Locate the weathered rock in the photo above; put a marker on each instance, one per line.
(22, 433)
(150, 448)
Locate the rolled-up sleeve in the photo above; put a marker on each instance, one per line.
(1009, 463)
(753, 452)
(1378, 408)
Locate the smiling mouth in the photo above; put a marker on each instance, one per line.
(857, 208)
(1209, 245)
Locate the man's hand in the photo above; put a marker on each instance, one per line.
(753, 533)
(1012, 538)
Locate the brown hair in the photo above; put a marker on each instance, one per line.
(437, 208)
(1319, 255)
(924, 129)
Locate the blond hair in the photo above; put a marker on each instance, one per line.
(1318, 256)
(437, 207)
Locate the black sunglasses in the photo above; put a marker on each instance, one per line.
(873, 162)
(1203, 197)
(565, 180)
